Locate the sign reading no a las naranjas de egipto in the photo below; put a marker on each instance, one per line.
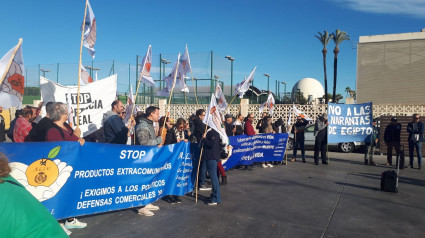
(350, 122)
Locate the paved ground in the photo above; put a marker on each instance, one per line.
(299, 200)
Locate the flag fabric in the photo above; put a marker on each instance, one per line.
(185, 62)
(85, 76)
(221, 99)
(89, 38)
(70, 109)
(169, 80)
(145, 72)
(12, 81)
(301, 114)
(269, 104)
(214, 120)
(242, 87)
(288, 125)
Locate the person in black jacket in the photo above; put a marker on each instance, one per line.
(392, 139)
(262, 123)
(9, 132)
(199, 129)
(211, 142)
(239, 125)
(298, 131)
(228, 124)
(415, 128)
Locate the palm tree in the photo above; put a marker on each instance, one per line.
(348, 90)
(324, 39)
(338, 37)
(338, 97)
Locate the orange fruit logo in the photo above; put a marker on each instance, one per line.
(43, 172)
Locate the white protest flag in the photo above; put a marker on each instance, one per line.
(169, 81)
(270, 103)
(300, 113)
(221, 99)
(70, 109)
(242, 87)
(85, 76)
(12, 81)
(90, 31)
(185, 62)
(145, 72)
(213, 119)
(95, 100)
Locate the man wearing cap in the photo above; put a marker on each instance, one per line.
(392, 139)
(416, 136)
(228, 124)
(370, 146)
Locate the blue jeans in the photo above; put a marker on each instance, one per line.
(301, 143)
(203, 172)
(212, 170)
(418, 146)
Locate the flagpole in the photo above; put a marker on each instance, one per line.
(171, 94)
(140, 78)
(11, 60)
(79, 66)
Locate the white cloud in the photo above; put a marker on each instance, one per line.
(415, 8)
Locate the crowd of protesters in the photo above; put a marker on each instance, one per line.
(148, 128)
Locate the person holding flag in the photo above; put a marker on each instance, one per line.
(298, 131)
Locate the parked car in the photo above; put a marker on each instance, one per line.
(346, 147)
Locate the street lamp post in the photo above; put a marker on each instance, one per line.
(231, 72)
(44, 71)
(284, 94)
(268, 81)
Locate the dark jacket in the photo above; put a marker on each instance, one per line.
(392, 133)
(171, 137)
(229, 128)
(115, 131)
(263, 126)
(239, 128)
(300, 129)
(39, 131)
(211, 145)
(416, 128)
(9, 132)
(199, 129)
(279, 126)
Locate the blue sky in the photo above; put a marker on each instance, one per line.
(276, 36)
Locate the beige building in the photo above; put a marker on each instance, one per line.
(391, 68)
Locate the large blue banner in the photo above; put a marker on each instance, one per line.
(73, 180)
(349, 122)
(250, 149)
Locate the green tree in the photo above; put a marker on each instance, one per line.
(324, 39)
(338, 37)
(348, 90)
(338, 97)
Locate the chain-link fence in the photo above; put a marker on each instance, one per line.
(208, 69)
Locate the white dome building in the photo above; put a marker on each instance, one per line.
(310, 88)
